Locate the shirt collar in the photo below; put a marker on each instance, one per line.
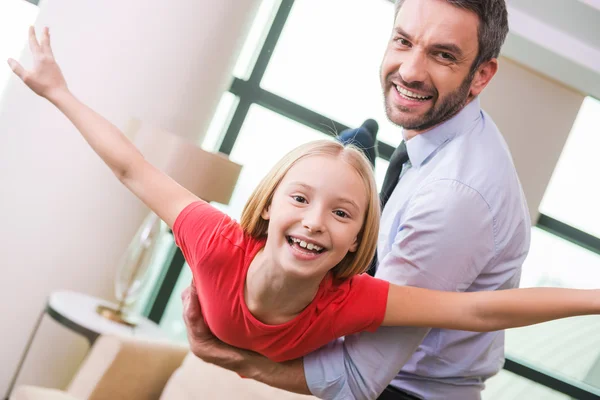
(422, 146)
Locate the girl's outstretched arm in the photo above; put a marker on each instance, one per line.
(486, 311)
(156, 189)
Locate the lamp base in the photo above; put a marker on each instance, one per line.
(115, 315)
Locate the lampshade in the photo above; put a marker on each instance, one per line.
(210, 176)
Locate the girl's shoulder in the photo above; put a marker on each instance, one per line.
(361, 285)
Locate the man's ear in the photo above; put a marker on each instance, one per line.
(354, 246)
(484, 74)
(265, 213)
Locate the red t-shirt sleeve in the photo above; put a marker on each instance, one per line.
(364, 307)
(196, 228)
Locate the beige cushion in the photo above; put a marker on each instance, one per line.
(36, 393)
(126, 368)
(196, 379)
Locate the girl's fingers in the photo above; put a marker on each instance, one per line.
(17, 68)
(45, 42)
(33, 43)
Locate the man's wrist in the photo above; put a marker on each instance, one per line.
(288, 375)
(216, 352)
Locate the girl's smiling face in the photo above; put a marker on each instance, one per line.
(315, 216)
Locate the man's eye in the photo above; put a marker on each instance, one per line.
(299, 199)
(341, 213)
(403, 42)
(447, 56)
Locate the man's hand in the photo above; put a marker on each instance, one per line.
(203, 344)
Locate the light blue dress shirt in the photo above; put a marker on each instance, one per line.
(457, 221)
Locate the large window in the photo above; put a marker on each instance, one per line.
(333, 67)
(573, 194)
(565, 252)
(567, 348)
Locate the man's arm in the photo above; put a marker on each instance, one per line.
(288, 376)
(444, 242)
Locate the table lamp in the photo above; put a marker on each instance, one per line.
(210, 176)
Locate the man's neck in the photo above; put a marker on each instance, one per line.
(272, 295)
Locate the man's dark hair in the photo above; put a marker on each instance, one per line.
(493, 26)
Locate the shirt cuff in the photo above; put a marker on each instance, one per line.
(325, 373)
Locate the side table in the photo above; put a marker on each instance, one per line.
(77, 312)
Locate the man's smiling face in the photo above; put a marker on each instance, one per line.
(426, 71)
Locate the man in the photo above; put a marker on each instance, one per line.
(456, 221)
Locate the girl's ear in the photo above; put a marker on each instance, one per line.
(354, 246)
(265, 213)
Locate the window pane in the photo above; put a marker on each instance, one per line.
(573, 194)
(328, 59)
(256, 38)
(509, 386)
(568, 347)
(264, 138)
(15, 18)
(220, 121)
(381, 166)
(172, 320)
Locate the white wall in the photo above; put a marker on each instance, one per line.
(535, 114)
(65, 219)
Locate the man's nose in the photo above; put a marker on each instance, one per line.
(413, 67)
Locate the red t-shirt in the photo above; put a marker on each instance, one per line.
(219, 254)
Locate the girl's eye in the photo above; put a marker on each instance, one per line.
(341, 213)
(299, 199)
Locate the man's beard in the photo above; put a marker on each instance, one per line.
(438, 113)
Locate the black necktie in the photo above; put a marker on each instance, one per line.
(399, 157)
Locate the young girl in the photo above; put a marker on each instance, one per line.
(287, 279)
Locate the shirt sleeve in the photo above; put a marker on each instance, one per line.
(364, 307)
(446, 239)
(195, 229)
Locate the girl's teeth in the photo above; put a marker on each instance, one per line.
(306, 245)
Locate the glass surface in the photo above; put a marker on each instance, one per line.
(220, 121)
(508, 386)
(15, 18)
(573, 193)
(256, 38)
(328, 60)
(264, 138)
(381, 166)
(172, 320)
(568, 348)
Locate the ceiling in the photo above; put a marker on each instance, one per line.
(559, 38)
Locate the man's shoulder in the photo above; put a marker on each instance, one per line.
(479, 159)
(476, 166)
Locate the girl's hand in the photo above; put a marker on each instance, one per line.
(45, 79)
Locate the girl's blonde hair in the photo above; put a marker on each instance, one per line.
(353, 263)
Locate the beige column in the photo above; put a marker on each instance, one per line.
(64, 219)
(535, 114)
